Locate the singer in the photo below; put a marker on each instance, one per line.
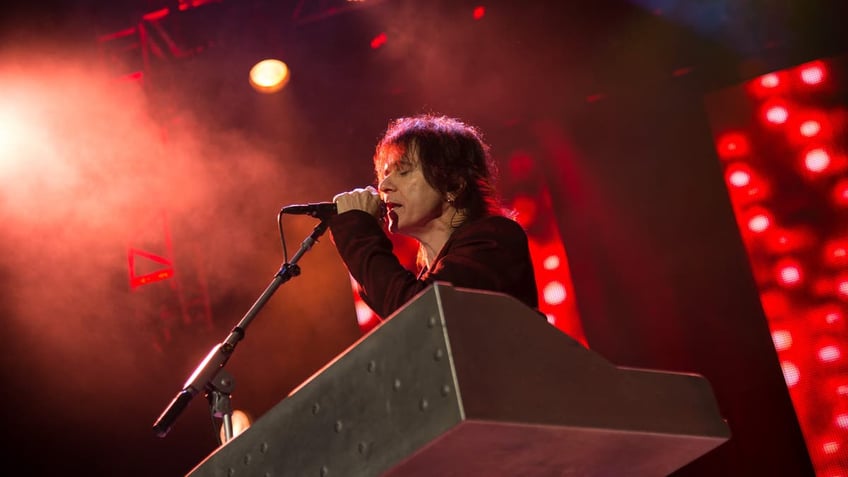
(435, 180)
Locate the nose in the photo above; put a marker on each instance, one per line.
(386, 185)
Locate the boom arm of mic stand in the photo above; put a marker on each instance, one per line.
(219, 355)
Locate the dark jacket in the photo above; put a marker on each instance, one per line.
(490, 253)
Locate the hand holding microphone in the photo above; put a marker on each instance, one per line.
(367, 199)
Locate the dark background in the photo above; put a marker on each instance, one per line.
(608, 98)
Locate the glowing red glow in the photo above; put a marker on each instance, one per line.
(789, 273)
(810, 128)
(479, 12)
(769, 84)
(551, 262)
(840, 193)
(770, 80)
(830, 447)
(841, 420)
(817, 160)
(813, 73)
(842, 286)
(776, 114)
(759, 220)
(782, 340)
(775, 303)
(379, 40)
(732, 145)
(829, 353)
(836, 252)
(738, 175)
(554, 293)
(790, 373)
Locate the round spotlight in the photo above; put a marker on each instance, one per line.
(269, 76)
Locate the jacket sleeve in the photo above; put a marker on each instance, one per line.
(490, 254)
(367, 252)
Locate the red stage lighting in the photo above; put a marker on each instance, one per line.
(813, 73)
(817, 160)
(789, 273)
(841, 420)
(842, 287)
(769, 81)
(379, 40)
(759, 220)
(840, 193)
(810, 128)
(768, 84)
(732, 144)
(829, 353)
(738, 175)
(790, 373)
(554, 293)
(836, 252)
(776, 113)
(479, 12)
(782, 340)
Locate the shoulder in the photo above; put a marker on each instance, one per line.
(495, 226)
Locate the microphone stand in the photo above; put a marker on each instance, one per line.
(210, 375)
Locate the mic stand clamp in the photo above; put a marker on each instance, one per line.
(212, 366)
(220, 391)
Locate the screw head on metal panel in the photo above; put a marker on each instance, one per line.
(315, 408)
(446, 390)
(339, 426)
(438, 354)
(396, 385)
(372, 365)
(432, 322)
(424, 404)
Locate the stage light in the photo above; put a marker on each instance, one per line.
(810, 128)
(813, 73)
(759, 220)
(554, 293)
(789, 273)
(840, 193)
(830, 447)
(842, 286)
(817, 160)
(378, 41)
(829, 353)
(776, 114)
(790, 373)
(269, 76)
(551, 262)
(782, 340)
(479, 12)
(768, 84)
(769, 81)
(732, 145)
(738, 175)
(835, 252)
(841, 420)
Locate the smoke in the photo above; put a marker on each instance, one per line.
(89, 170)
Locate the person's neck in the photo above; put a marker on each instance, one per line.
(434, 239)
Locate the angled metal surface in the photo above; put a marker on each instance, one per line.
(463, 382)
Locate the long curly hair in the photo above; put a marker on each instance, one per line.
(454, 159)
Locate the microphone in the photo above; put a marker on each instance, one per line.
(319, 210)
(323, 210)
